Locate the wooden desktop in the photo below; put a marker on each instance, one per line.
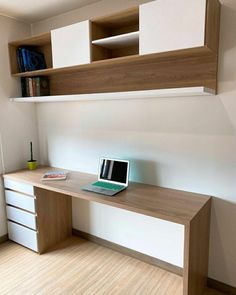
(54, 214)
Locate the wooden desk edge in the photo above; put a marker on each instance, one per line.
(89, 196)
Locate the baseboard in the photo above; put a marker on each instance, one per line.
(3, 238)
(219, 286)
(126, 251)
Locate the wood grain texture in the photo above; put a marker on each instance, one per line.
(54, 218)
(176, 71)
(126, 251)
(212, 29)
(13, 59)
(197, 252)
(37, 40)
(118, 20)
(168, 204)
(170, 56)
(80, 267)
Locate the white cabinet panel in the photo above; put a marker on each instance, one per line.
(19, 186)
(71, 45)
(20, 200)
(22, 235)
(22, 217)
(167, 25)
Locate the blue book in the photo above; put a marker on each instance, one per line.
(24, 59)
(30, 60)
(35, 60)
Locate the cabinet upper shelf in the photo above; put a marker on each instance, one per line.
(119, 41)
(113, 62)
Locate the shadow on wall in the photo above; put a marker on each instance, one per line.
(144, 171)
(223, 241)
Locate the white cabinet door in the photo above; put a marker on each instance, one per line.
(167, 25)
(71, 45)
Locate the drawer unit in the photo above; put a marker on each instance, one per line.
(19, 200)
(22, 217)
(22, 235)
(19, 186)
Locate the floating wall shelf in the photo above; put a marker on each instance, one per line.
(173, 92)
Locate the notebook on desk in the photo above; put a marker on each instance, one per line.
(113, 176)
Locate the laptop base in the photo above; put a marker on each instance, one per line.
(100, 190)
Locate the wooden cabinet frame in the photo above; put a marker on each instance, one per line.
(175, 69)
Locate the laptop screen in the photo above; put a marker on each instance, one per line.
(114, 171)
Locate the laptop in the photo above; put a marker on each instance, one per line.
(113, 176)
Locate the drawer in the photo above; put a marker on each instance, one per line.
(22, 235)
(20, 200)
(19, 186)
(22, 217)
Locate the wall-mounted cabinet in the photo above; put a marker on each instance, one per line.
(71, 45)
(140, 49)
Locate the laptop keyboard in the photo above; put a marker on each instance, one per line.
(107, 185)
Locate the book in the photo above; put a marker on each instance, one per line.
(54, 175)
(23, 87)
(41, 86)
(35, 86)
(30, 60)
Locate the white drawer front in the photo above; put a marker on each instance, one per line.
(20, 200)
(22, 217)
(22, 235)
(19, 186)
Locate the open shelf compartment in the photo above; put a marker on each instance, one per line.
(116, 35)
(41, 43)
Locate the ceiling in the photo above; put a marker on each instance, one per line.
(32, 11)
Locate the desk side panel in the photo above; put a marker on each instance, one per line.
(54, 212)
(197, 252)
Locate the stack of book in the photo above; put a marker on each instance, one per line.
(35, 86)
(30, 60)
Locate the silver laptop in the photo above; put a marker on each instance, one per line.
(113, 176)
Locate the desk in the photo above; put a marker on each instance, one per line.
(53, 207)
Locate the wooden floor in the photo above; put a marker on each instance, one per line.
(81, 267)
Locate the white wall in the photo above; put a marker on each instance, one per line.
(183, 143)
(17, 122)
